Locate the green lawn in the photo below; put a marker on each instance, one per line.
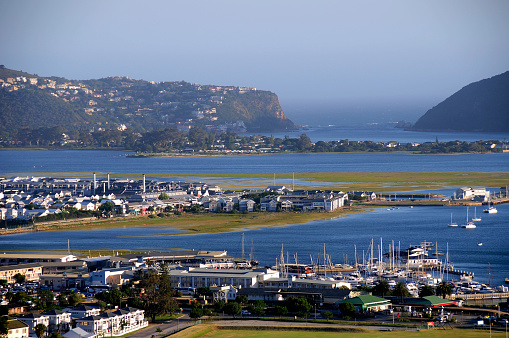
(212, 331)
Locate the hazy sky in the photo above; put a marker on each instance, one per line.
(399, 53)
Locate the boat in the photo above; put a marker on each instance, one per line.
(469, 225)
(453, 224)
(490, 210)
(476, 219)
(479, 243)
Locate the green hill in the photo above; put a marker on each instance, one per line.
(481, 106)
(30, 102)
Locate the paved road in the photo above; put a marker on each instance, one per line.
(166, 328)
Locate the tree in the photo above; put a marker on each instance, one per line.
(241, 299)
(400, 290)
(232, 308)
(198, 136)
(347, 309)
(164, 196)
(281, 310)
(299, 305)
(107, 208)
(4, 330)
(45, 299)
(40, 330)
(382, 288)
(327, 314)
(19, 278)
(426, 290)
(196, 312)
(158, 297)
(443, 289)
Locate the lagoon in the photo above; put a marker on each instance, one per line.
(406, 226)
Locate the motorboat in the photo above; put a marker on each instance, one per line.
(479, 243)
(490, 210)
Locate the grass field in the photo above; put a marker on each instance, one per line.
(212, 331)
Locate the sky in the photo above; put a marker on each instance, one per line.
(335, 60)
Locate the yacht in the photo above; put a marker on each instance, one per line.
(476, 219)
(453, 224)
(469, 225)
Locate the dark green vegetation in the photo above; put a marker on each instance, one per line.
(480, 106)
(29, 102)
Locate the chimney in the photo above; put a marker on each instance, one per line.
(95, 183)
(109, 181)
(144, 189)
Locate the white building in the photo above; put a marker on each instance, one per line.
(117, 323)
(196, 278)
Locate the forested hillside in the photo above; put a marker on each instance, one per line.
(480, 106)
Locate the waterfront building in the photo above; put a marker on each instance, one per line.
(19, 258)
(197, 277)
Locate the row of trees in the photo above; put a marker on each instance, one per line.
(400, 290)
(170, 139)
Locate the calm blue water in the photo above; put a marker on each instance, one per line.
(115, 162)
(408, 226)
(405, 226)
(383, 132)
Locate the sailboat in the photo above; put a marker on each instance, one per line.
(476, 219)
(490, 210)
(469, 225)
(453, 224)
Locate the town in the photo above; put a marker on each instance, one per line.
(89, 295)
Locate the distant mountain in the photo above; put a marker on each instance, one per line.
(481, 106)
(29, 101)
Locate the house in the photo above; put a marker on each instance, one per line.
(16, 329)
(246, 205)
(117, 323)
(268, 205)
(78, 333)
(32, 320)
(58, 321)
(82, 311)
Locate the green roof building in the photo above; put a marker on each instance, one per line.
(365, 303)
(430, 301)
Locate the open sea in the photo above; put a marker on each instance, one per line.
(406, 226)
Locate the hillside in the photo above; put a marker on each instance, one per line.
(481, 106)
(30, 102)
